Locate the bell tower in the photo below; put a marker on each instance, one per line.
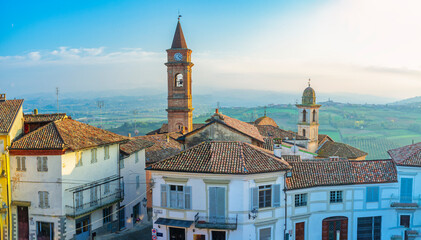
(180, 110)
(308, 120)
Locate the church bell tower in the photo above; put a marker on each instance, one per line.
(308, 121)
(180, 110)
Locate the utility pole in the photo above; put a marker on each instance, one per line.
(135, 112)
(100, 105)
(57, 91)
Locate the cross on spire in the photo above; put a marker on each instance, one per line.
(309, 82)
(179, 15)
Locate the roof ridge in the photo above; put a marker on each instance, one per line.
(14, 118)
(242, 158)
(58, 132)
(33, 132)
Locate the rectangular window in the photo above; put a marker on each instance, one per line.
(265, 196)
(406, 190)
(301, 200)
(21, 164)
(405, 220)
(45, 230)
(136, 157)
(42, 164)
(335, 196)
(43, 199)
(94, 196)
(79, 159)
(137, 182)
(372, 194)
(106, 188)
(265, 233)
(176, 196)
(79, 200)
(369, 228)
(93, 156)
(107, 214)
(106, 152)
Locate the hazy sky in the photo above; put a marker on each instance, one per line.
(355, 46)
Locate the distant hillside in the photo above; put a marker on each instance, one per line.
(414, 100)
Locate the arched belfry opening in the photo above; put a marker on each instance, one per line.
(314, 115)
(304, 115)
(179, 80)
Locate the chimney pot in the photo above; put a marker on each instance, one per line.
(36, 111)
(130, 135)
(217, 110)
(2, 97)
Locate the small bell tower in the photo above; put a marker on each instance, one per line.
(308, 120)
(179, 66)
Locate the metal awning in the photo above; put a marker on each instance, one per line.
(174, 222)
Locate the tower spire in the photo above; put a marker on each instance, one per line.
(178, 40)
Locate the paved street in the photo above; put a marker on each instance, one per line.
(140, 232)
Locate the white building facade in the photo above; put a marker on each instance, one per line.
(63, 193)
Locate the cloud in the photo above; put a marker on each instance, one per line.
(34, 56)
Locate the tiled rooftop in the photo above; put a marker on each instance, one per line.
(66, 134)
(329, 149)
(165, 145)
(8, 112)
(315, 173)
(223, 158)
(409, 155)
(134, 145)
(37, 118)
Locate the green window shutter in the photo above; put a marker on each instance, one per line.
(212, 202)
(276, 195)
(187, 197)
(220, 202)
(23, 163)
(18, 163)
(406, 190)
(39, 164)
(164, 195)
(254, 198)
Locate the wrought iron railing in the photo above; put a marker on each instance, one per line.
(212, 222)
(110, 198)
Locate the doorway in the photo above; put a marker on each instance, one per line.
(177, 233)
(82, 228)
(218, 235)
(23, 223)
(335, 228)
(299, 231)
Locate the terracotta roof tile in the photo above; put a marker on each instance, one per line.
(8, 111)
(307, 174)
(409, 155)
(276, 132)
(134, 145)
(37, 118)
(265, 120)
(67, 134)
(223, 158)
(164, 128)
(329, 149)
(163, 147)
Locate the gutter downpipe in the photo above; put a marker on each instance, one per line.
(286, 209)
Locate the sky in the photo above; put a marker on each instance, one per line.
(367, 47)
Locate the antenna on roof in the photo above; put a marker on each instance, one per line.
(309, 82)
(57, 91)
(265, 111)
(100, 105)
(135, 120)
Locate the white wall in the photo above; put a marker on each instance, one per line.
(133, 196)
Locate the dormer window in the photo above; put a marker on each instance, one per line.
(179, 80)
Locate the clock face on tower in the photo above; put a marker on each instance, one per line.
(178, 57)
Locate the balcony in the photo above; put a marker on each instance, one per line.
(99, 193)
(229, 223)
(404, 206)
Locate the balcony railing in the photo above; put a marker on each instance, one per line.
(229, 223)
(74, 211)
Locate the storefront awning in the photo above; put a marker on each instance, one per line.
(174, 222)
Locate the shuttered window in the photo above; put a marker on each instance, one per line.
(93, 156)
(372, 194)
(217, 204)
(176, 196)
(265, 196)
(405, 220)
(265, 233)
(42, 164)
(79, 156)
(106, 188)
(21, 164)
(106, 152)
(369, 228)
(406, 190)
(43, 199)
(94, 196)
(79, 199)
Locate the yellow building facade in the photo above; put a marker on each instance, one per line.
(11, 127)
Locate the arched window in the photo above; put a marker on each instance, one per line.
(179, 80)
(304, 115)
(304, 132)
(314, 115)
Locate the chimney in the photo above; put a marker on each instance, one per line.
(277, 148)
(217, 110)
(35, 111)
(168, 138)
(334, 158)
(130, 135)
(2, 97)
